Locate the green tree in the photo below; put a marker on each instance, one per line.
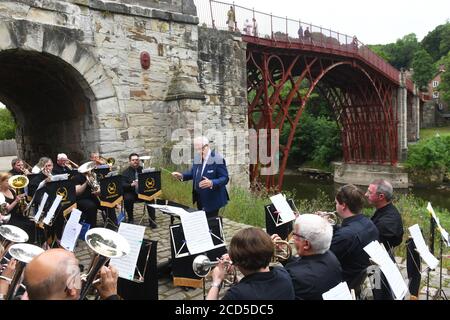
(432, 41)
(444, 86)
(403, 50)
(7, 125)
(422, 64)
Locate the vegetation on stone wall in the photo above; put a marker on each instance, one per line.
(7, 125)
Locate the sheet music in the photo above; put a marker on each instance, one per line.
(169, 209)
(50, 214)
(444, 233)
(60, 177)
(390, 270)
(126, 265)
(284, 209)
(340, 292)
(41, 207)
(70, 235)
(196, 232)
(422, 247)
(41, 184)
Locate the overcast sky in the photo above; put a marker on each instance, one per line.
(373, 22)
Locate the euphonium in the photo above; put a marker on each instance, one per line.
(331, 216)
(87, 169)
(202, 265)
(106, 244)
(282, 251)
(18, 183)
(23, 253)
(9, 236)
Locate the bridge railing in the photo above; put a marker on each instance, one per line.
(260, 25)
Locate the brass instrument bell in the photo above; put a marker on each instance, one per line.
(202, 265)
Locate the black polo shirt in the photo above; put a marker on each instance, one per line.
(273, 285)
(390, 226)
(348, 244)
(128, 176)
(314, 275)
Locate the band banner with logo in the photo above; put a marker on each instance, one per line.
(149, 185)
(65, 189)
(102, 170)
(111, 191)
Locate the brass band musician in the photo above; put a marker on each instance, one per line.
(18, 167)
(61, 164)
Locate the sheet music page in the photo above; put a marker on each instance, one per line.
(340, 292)
(48, 218)
(444, 233)
(284, 209)
(169, 209)
(41, 184)
(126, 265)
(196, 232)
(390, 270)
(422, 247)
(60, 177)
(71, 232)
(41, 207)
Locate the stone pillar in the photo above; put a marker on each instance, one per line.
(416, 111)
(402, 96)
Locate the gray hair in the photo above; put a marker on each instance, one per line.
(316, 230)
(201, 140)
(42, 161)
(384, 187)
(61, 156)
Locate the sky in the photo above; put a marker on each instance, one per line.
(373, 22)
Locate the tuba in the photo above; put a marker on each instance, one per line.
(282, 251)
(87, 169)
(106, 244)
(9, 236)
(18, 183)
(23, 253)
(202, 265)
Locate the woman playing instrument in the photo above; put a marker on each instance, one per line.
(12, 207)
(251, 251)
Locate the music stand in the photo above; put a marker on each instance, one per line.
(440, 294)
(273, 223)
(182, 272)
(144, 286)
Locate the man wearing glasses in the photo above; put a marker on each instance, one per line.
(209, 177)
(316, 269)
(130, 185)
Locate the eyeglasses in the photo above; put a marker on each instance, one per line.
(299, 235)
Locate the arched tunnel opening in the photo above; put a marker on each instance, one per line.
(50, 102)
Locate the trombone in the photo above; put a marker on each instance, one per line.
(109, 161)
(71, 165)
(106, 244)
(27, 167)
(202, 265)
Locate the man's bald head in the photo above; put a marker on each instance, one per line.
(46, 276)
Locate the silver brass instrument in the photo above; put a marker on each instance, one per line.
(202, 265)
(331, 216)
(87, 169)
(23, 253)
(282, 251)
(18, 183)
(9, 236)
(3, 210)
(106, 244)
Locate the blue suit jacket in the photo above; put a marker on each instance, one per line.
(216, 171)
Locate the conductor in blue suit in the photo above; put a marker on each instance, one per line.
(210, 176)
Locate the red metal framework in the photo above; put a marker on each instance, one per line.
(280, 83)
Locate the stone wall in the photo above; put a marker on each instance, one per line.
(428, 115)
(88, 92)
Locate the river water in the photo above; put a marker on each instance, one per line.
(308, 188)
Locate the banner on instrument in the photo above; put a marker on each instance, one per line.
(111, 191)
(149, 185)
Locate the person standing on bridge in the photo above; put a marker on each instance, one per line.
(307, 34)
(231, 22)
(255, 28)
(300, 32)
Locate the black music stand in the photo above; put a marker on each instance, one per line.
(440, 294)
(182, 272)
(145, 283)
(273, 223)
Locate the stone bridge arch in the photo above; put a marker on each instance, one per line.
(56, 89)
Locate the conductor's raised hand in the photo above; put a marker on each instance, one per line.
(177, 175)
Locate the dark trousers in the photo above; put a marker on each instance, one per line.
(129, 198)
(88, 207)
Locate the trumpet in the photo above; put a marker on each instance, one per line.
(282, 251)
(106, 244)
(331, 216)
(202, 265)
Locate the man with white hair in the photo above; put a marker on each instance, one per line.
(60, 166)
(209, 177)
(316, 269)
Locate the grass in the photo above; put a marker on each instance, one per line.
(248, 208)
(431, 132)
